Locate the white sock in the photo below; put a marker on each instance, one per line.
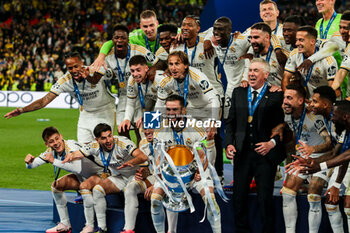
(347, 212)
(131, 205)
(100, 205)
(157, 212)
(290, 212)
(215, 225)
(315, 212)
(61, 205)
(88, 207)
(335, 218)
(172, 221)
(211, 151)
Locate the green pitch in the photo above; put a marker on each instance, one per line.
(21, 135)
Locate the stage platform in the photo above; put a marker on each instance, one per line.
(190, 222)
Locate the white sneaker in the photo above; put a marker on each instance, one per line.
(88, 229)
(60, 228)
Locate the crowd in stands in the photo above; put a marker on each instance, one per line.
(35, 35)
(305, 8)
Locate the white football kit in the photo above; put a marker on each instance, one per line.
(203, 101)
(98, 105)
(112, 64)
(198, 61)
(276, 71)
(135, 92)
(310, 135)
(322, 71)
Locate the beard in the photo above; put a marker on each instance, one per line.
(339, 128)
(289, 109)
(259, 49)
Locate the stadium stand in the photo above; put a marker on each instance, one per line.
(34, 35)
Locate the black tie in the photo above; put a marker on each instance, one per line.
(255, 94)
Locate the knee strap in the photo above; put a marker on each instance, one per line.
(313, 198)
(98, 190)
(331, 208)
(156, 196)
(85, 192)
(54, 190)
(288, 191)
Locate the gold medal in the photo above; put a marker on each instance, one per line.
(250, 119)
(297, 146)
(104, 175)
(121, 84)
(81, 108)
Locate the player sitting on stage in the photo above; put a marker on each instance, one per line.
(80, 178)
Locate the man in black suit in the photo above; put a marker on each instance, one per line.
(248, 130)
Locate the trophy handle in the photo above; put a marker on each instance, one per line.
(207, 194)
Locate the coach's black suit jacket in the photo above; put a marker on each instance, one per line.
(247, 163)
(269, 114)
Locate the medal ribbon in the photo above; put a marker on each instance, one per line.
(251, 108)
(221, 69)
(185, 93)
(179, 139)
(268, 55)
(193, 52)
(77, 92)
(308, 76)
(156, 46)
(329, 128)
(297, 131)
(324, 35)
(57, 173)
(151, 148)
(121, 74)
(141, 96)
(104, 161)
(346, 144)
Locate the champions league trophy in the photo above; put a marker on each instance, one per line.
(175, 173)
(186, 167)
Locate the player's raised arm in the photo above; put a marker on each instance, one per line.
(29, 159)
(100, 60)
(73, 156)
(36, 105)
(139, 157)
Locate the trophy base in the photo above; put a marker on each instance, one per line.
(179, 205)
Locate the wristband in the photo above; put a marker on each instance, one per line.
(323, 166)
(336, 185)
